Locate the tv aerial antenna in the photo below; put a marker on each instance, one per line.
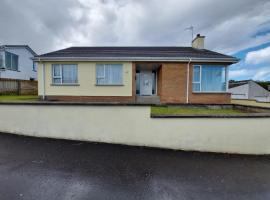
(191, 29)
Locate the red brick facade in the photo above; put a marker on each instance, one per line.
(102, 99)
(172, 83)
(172, 86)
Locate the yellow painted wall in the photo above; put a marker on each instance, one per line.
(86, 81)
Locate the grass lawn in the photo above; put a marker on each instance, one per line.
(18, 98)
(163, 110)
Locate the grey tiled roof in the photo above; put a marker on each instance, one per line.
(136, 52)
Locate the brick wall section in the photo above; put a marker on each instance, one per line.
(172, 80)
(102, 99)
(207, 98)
(210, 98)
(172, 88)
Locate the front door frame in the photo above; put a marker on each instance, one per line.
(139, 77)
(146, 83)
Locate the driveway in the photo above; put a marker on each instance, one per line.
(251, 103)
(34, 168)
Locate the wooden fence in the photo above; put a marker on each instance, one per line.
(17, 87)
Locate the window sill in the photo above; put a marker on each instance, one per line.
(13, 70)
(65, 84)
(109, 84)
(210, 92)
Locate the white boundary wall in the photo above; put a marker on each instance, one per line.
(132, 125)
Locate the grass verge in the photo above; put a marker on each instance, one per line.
(18, 98)
(171, 110)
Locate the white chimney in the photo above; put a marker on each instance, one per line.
(198, 42)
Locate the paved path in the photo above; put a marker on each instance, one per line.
(32, 168)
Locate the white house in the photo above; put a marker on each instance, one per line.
(249, 90)
(16, 62)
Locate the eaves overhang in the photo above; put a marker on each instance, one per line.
(137, 59)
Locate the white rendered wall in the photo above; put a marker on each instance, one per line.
(132, 125)
(240, 92)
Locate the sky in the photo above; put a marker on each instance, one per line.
(235, 27)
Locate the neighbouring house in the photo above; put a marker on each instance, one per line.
(16, 62)
(248, 89)
(167, 75)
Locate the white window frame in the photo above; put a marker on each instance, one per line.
(200, 82)
(104, 76)
(61, 75)
(100, 77)
(11, 68)
(197, 82)
(2, 57)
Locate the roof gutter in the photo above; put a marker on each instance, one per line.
(138, 59)
(43, 81)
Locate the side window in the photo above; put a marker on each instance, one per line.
(11, 61)
(34, 66)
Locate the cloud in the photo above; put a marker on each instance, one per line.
(262, 74)
(233, 74)
(48, 25)
(259, 56)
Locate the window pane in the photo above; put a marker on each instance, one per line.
(213, 78)
(153, 82)
(100, 70)
(100, 74)
(196, 87)
(69, 73)
(35, 66)
(137, 83)
(8, 60)
(14, 62)
(196, 74)
(1, 59)
(111, 74)
(115, 74)
(56, 70)
(56, 80)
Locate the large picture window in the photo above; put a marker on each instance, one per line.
(209, 78)
(109, 74)
(11, 61)
(64, 74)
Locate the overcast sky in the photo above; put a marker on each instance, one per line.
(234, 27)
